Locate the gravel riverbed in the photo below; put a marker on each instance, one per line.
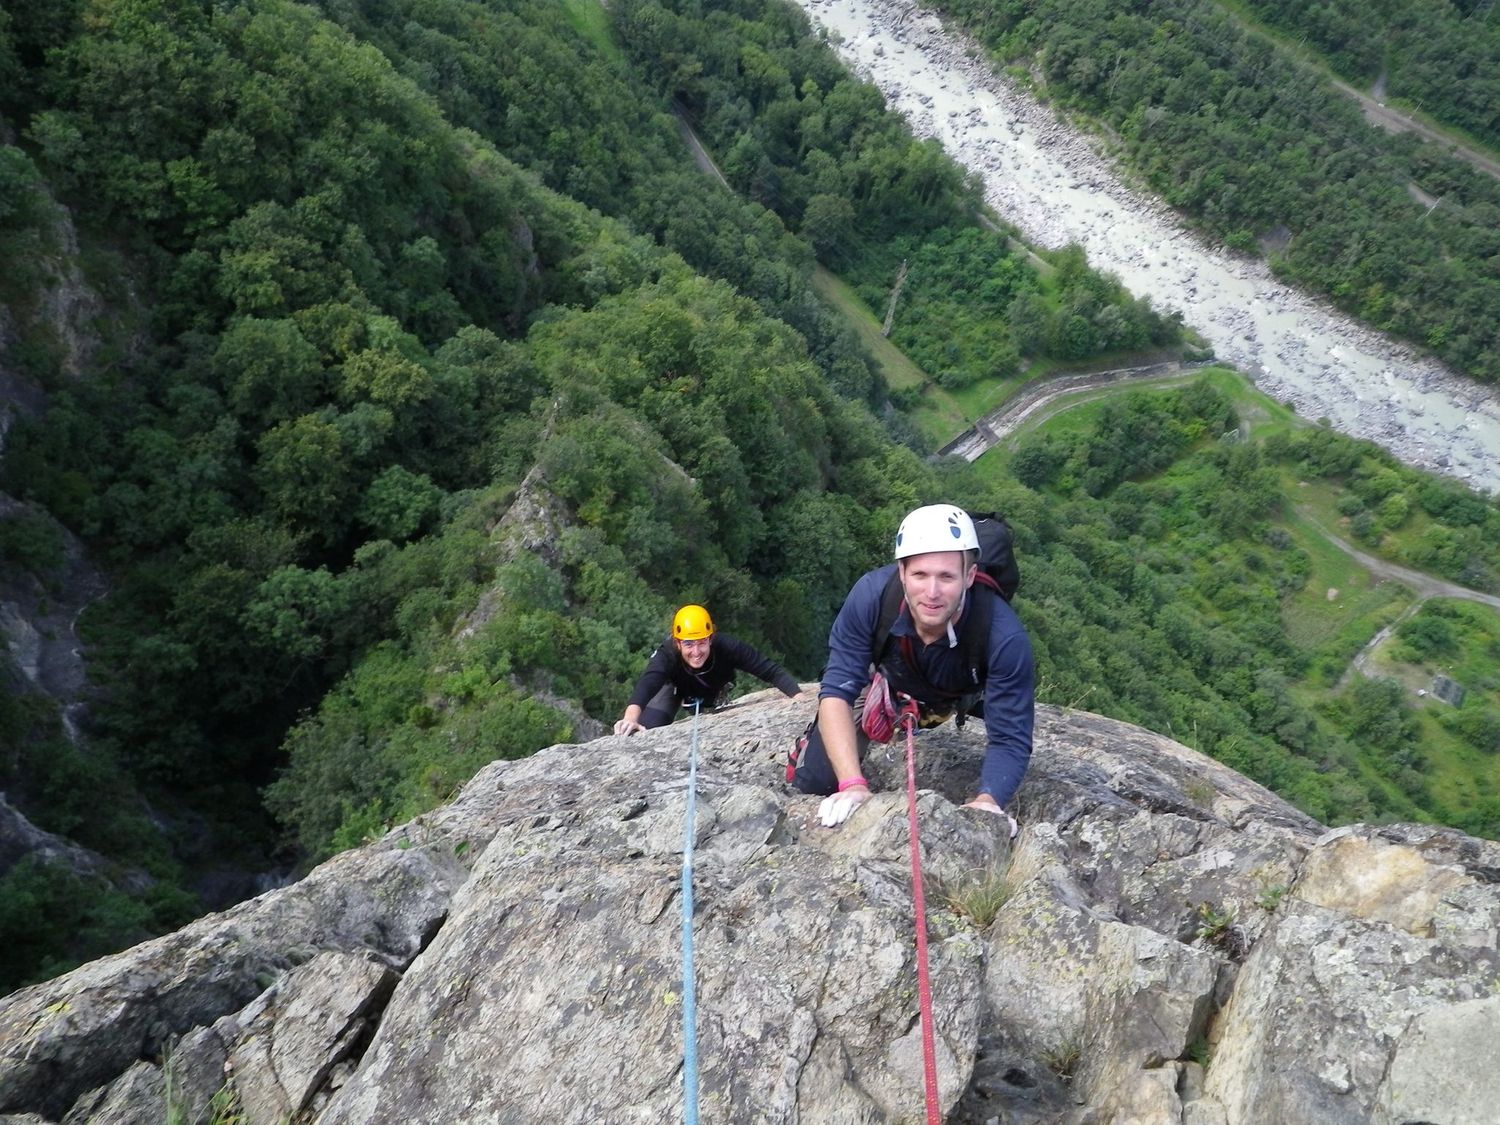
(1056, 187)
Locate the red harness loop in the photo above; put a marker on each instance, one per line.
(885, 711)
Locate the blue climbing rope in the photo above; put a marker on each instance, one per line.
(689, 995)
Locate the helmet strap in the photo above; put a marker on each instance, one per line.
(962, 605)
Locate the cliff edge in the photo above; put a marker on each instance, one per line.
(1165, 941)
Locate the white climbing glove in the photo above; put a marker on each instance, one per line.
(836, 808)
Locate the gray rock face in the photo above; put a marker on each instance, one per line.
(295, 1033)
(1164, 942)
(66, 1037)
(1385, 941)
(20, 838)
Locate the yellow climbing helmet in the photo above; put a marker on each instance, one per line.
(692, 623)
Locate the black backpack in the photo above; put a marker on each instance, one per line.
(998, 575)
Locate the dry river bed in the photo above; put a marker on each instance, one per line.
(1054, 185)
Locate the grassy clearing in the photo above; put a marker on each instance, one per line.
(590, 19)
(899, 371)
(1342, 605)
(1260, 412)
(1321, 499)
(979, 399)
(1459, 774)
(936, 415)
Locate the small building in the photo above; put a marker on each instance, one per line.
(1449, 691)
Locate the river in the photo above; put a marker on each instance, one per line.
(1055, 186)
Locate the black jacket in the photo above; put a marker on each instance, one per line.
(727, 656)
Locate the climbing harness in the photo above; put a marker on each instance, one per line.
(882, 716)
(689, 996)
(908, 719)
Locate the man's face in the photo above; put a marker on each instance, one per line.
(934, 585)
(695, 653)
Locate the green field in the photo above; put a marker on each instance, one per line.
(937, 416)
(1342, 605)
(591, 20)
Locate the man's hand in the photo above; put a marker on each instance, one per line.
(987, 803)
(835, 809)
(628, 726)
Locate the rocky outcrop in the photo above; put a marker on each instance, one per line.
(39, 620)
(531, 525)
(20, 838)
(38, 612)
(1164, 942)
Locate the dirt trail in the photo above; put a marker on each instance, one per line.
(1394, 121)
(689, 137)
(1373, 105)
(1423, 585)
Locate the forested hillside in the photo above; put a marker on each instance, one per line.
(370, 273)
(1439, 56)
(1269, 158)
(814, 145)
(354, 293)
(1192, 589)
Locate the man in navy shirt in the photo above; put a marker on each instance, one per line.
(937, 553)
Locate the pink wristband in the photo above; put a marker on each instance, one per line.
(851, 782)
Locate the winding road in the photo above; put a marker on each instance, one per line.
(1423, 585)
(1000, 423)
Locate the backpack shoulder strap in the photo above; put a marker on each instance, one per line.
(891, 601)
(974, 633)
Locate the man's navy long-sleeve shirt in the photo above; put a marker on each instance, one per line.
(1009, 685)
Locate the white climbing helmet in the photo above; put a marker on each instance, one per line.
(937, 527)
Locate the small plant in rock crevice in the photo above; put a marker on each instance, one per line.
(1270, 896)
(1212, 923)
(1063, 1056)
(979, 899)
(223, 1107)
(1214, 926)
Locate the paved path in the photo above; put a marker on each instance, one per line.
(995, 426)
